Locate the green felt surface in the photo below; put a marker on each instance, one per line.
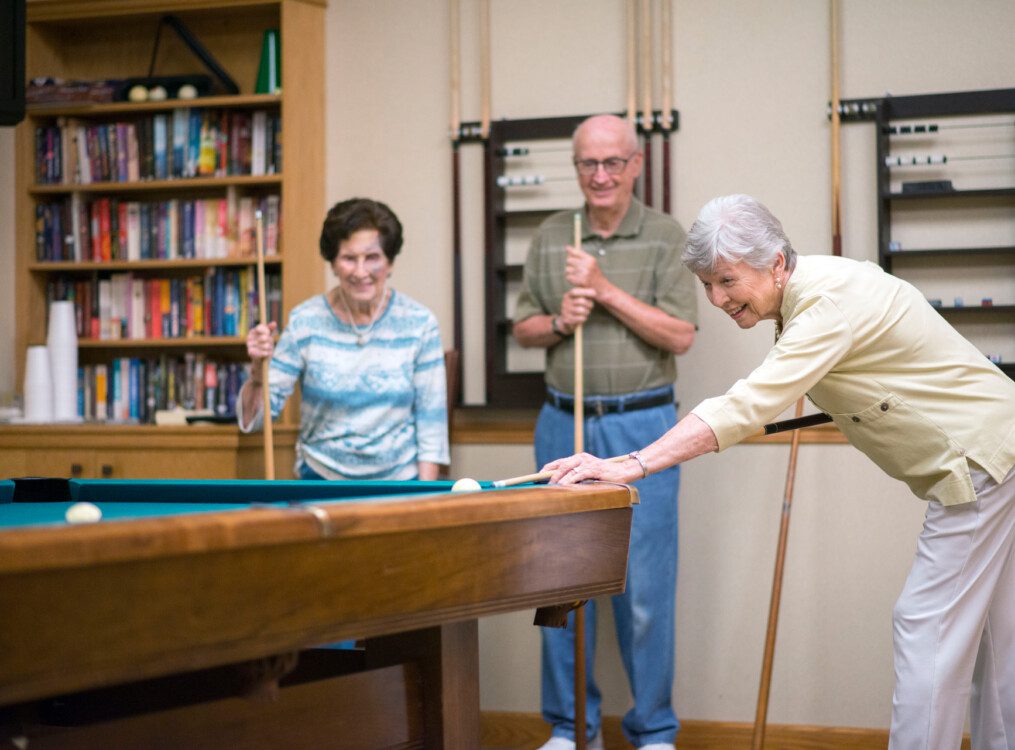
(15, 515)
(241, 490)
(122, 499)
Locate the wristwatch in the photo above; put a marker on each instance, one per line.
(556, 329)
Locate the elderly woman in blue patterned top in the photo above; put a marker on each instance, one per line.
(906, 389)
(368, 359)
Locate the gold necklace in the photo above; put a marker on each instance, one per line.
(362, 334)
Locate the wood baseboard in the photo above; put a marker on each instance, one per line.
(501, 730)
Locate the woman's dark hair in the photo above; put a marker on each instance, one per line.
(350, 216)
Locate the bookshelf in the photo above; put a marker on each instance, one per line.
(122, 196)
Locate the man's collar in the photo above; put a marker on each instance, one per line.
(629, 226)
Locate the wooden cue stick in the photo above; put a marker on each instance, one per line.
(796, 423)
(579, 446)
(836, 163)
(773, 607)
(666, 29)
(647, 123)
(646, 65)
(456, 85)
(262, 299)
(484, 64)
(632, 75)
(579, 361)
(456, 199)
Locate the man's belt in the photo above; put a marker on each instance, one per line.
(610, 404)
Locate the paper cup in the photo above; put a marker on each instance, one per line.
(38, 388)
(62, 344)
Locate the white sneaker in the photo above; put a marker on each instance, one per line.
(563, 743)
(659, 746)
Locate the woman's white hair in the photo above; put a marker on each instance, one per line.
(736, 228)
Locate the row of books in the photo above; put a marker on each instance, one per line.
(133, 389)
(108, 229)
(220, 302)
(188, 142)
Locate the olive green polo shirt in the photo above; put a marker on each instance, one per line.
(643, 258)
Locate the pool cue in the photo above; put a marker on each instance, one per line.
(484, 67)
(262, 299)
(647, 124)
(836, 128)
(579, 361)
(797, 423)
(456, 179)
(666, 120)
(579, 446)
(761, 715)
(632, 68)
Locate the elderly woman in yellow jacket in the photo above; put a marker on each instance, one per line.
(928, 408)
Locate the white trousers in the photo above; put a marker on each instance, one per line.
(954, 626)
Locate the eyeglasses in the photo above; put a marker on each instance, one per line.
(614, 165)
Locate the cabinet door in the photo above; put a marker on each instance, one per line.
(13, 463)
(74, 463)
(168, 464)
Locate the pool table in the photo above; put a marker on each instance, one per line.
(206, 614)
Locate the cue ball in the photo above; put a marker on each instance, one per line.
(465, 485)
(83, 513)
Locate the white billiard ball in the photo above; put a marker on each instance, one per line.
(157, 94)
(187, 91)
(466, 485)
(83, 513)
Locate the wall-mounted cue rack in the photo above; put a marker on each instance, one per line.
(946, 205)
(528, 175)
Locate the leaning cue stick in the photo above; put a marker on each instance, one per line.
(484, 67)
(456, 197)
(579, 446)
(761, 715)
(836, 128)
(262, 299)
(786, 425)
(773, 607)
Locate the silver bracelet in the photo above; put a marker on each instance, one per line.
(636, 455)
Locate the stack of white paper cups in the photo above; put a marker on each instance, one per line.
(38, 386)
(62, 343)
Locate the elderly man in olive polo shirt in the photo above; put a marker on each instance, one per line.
(636, 303)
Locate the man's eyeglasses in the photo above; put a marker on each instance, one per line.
(613, 165)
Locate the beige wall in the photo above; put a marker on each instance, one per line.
(751, 82)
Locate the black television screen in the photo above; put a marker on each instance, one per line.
(12, 61)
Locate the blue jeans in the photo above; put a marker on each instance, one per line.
(645, 613)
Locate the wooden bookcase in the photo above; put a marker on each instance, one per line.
(114, 39)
